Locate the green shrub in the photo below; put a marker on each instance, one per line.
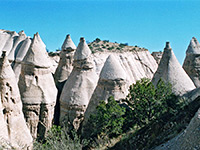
(59, 139)
(148, 103)
(97, 40)
(110, 48)
(91, 48)
(107, 121)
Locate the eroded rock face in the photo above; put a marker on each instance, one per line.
(171, 71)
(20, 56)
(191, 63)
(137, 65)
(112, 82)
(37, 88)
(7, 40)
(79, 87)
(157, 56)
(16, 46)
(63, 70)
(13, 130)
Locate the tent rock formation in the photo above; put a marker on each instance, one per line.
(79, 87)
(63, 71)
(191, 63)
(112, 82)
(171, 71)
(14, 133)
(37, 88)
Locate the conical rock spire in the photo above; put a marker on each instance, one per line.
(37, 89)
(68, 44)
(192, 61)
(12, 123)
(194, 47)
(37, 54)
(171, 71)
(63, 70)
(112, 69)
(112, 82)
(83, 51)
(79, 87)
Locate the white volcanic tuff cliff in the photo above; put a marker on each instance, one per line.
(192, 61)
(137, 64)
(37, 88)
(171, 71)
(79, 87)
(13, 127)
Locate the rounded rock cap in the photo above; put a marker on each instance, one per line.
(68, 43)
(83, 51)
(112, 69)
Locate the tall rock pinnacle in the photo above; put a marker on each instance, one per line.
(79, 87)
(192, 61)
(112, 82)
(171, 71)
(63, 71)
(12, 123)
(37, 89)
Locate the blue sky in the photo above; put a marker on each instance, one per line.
(145, 23)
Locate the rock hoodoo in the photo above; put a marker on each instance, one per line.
(63, 70)
(13, 130)
(66, 59)
(171, 71)
(191, 63)
(37, 88)
(112, 82)
(79, 87)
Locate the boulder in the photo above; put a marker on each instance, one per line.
(37, 88)
(191, 63)
(79, 86)
(14, 133)
(171, 71)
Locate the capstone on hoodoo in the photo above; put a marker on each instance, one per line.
(171, 71)
(14, 134)
(191, 63)
(37, 88)
(79, 87)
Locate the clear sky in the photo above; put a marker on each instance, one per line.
(145, 23)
